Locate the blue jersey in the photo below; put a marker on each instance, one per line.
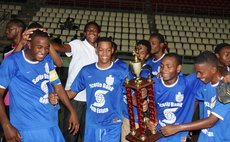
(122, 64)
(29, 84)
(155, 65)
(221, 130)
(175, 104)
(146, 70)
(104, 89)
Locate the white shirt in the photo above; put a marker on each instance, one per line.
(82, 54)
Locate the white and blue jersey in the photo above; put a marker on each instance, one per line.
(175, 104)
(104, 94)
(29, 84)
(155, 64)
(221, 130)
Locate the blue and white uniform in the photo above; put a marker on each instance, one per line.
(29, 84)
(221, 130)
(104, 89)
(175, 104)
(155, 64)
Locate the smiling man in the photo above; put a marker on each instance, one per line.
(103, 82)
(83, 53)
(30, 78)
(215, 124)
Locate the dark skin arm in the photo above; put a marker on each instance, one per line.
(61, 48)
(10, 132)
(196, 125)
(73, 120)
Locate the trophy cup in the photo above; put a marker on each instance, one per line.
(141, 134)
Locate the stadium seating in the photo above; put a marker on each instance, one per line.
(124, 27)
(188, 33)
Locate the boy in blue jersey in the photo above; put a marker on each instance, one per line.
(174, 99)
(29, 76)
(215, 124)
(103, 82)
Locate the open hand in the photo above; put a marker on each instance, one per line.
(11, 133)
(73, 123)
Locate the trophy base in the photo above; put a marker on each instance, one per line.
(149, 137)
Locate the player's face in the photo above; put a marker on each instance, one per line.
(143, 53)
(39, 48)
(205, 72)
(104, 51)
(91, 34)
(169, 70)
(11, 31)
(156, 46)
(224, 56)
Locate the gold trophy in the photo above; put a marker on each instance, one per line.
(141, 134)
(136, 65)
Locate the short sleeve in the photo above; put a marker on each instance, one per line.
(221, 110)
(199, 95)
(8, 70)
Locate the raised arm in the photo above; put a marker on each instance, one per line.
(196, 125)
(11, 133)
(61, 48)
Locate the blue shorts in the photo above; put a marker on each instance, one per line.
(52, 134)
(103, 134)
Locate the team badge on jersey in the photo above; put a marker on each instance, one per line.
(109, 80)
(179, 97)
(44, 87)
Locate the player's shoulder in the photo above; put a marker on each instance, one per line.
(89, 66)
(16, 56)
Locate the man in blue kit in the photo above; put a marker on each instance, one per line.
(174, 96)
(103, 82)
(215, 123)
(30, 77)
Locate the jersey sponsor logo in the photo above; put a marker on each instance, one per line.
(100, 102)
(44, 87)
(170, 104)
(212, 103)
(99, 94)
(179, 97)
(169, 115)
(108, 85)
(209, 134)
(40, 77)
(100, 99)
